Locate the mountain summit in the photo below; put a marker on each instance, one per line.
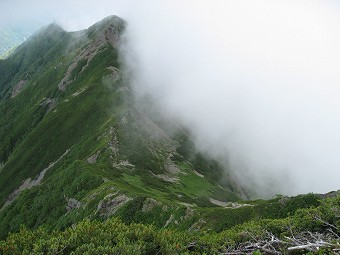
(75, 143)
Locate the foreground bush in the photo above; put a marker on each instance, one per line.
(314, 229)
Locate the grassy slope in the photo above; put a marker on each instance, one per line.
(86, 118)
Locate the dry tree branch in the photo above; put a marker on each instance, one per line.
(318, 218)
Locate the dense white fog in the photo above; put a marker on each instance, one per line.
(257, 82)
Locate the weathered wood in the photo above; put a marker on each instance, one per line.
(311, 245)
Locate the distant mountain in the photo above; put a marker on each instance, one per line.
(13, 35)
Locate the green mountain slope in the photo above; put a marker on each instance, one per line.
(74, 144)
(84, 169)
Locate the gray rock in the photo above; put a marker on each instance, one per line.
(72, 204)
(149, 204)
(110, 204)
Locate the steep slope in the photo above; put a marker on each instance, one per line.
(74, 144)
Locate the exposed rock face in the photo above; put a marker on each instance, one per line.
(188, 213)
(171, 167)
(237, 205)
(149, 204)
(77, 93)
(106, 31)
(29, 183)
(51, 103)
(110, 204)
(172, 171)
(198, 174)
(115, 75)
(217, 202)
(72, 203)
(167, 178)
(93, 159)
(18, 88)
(169, 220)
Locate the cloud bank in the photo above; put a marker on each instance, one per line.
(257, 82)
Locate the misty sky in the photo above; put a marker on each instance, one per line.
(257, 82)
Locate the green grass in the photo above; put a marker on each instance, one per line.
(33, 207)
(193, 186)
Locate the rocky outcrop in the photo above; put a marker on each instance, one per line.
(18, 88)
(72, 204)
(171, 171)
(170, 220)
(49, 103)
(105, 32)
(150, 204)
(110, 204)
(29, 183)
(93, 159)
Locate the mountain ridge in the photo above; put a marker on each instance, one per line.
(69, 111)
(86, 168)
